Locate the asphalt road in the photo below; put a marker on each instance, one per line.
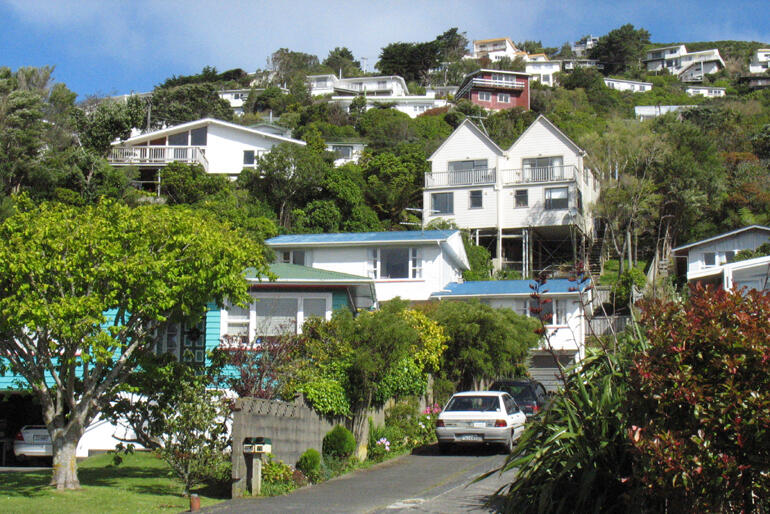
(423, 482)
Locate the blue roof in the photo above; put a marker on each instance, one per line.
(508, 287)
(409, 236)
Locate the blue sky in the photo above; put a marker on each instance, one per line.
(107, 47)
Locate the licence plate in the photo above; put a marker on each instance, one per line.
(471, 437)
(479, 424)
(39, 438)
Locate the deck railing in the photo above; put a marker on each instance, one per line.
(489, 176)
(506, 84)
(157, 155)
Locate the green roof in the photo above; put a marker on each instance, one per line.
(293, 272)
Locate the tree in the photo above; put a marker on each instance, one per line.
(289, 65)
(84, 290)
(110, 120)
(409, 60)
(761, 143)
(484, 342)
(394, 181)
(536, 47)
(341, 61)
(287, 177)
(190, 102)
(189, 183)
(621, 48)
(452, 45)
(171, 410)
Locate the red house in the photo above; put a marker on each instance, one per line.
(496, 89)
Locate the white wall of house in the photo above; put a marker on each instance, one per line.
(760, 61)
(436, 268)
(634, 86)
(543, 71)
(464, 145)
(226, 145)
(412, 106)
(700, 257)
(346, 152)
(709, 92)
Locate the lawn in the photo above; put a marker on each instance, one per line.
(142, 483)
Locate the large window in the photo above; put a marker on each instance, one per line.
(198, 136)
(442, 203)
(292, 257)
(272, 314)
(557, 198)
(485, 96)
(395, 263)
(185, 343)
(478, 164)
(178, 139)
(556, 310)
(342, 151)
(503, 98)
(475, 200)
(521, 198)
(248, 157)
(543, 169)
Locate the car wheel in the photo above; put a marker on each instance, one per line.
(444, 448)
(508, 445)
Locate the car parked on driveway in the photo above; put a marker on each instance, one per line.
(529, 394)
(32, 441)
(480, 417)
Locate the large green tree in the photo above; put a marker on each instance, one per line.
(189, 102)
(83, 291)
(621, 48)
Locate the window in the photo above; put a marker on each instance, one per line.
(342, 151)
(710, 258)
(557, 198)
(521, 198)
(248, 157)
(198, 137)
(479, 164)
(442, 203)
(320, 82)
(485, 96)
(543, 169)
(395, 263)
(475, 199)
(381, 84)
(729, 257)
(503, 98)
(293, 257)
(273, 314)
(556, 310)
(178, 139)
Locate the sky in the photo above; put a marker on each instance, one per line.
(110, 47)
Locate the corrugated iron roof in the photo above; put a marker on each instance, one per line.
(409, 236)
(508, 287)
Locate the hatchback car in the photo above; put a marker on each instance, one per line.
(32, 441)
(480, 417)
(529, 394)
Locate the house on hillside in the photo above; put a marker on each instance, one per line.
(386, 90)
(687, 66)
(760, 61)
(649, 112)
(706, 260)
(495, 89)
(581, 47)
(494, 49)
(707, 91)
(566, 329)
(345, 151)
(635, 86)
(528, 204)
(543, 70)
(220, 147)
(409, 264)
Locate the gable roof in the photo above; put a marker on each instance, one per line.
(721, 236)
(522, 288)
(549, 124)
(204, 122)
(361, 238)
(477, 131)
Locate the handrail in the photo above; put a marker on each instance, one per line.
(510, 176)
(160, 155)
(461, 178)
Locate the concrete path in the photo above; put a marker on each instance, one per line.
(425, 482)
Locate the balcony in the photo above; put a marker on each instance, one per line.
(513, 176)
(157, 155)
(475, 177)
(499, 84)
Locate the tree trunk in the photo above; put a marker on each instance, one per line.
(65, 467)
(361, 433)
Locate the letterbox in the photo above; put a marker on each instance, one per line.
(257, 445)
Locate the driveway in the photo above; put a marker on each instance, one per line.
(422, 482)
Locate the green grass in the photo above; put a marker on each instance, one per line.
(142, 483)
(610, 274)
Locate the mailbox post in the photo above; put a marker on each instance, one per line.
(254, 450)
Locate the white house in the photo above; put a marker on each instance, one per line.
(688, 66)
(701, 258)
(760, 61)
(648, 112)
(751, 274)
(345, 151)
(707, 91)
(221, 148)
(581, 47)
(566, 329)
(634, 86)
(495, 49)
(543, 70)
(528, 204)
(412, 105)
(409, 264)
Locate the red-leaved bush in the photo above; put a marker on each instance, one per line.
(700, 402)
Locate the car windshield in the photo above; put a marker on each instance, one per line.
(520, 392)
(473, 403)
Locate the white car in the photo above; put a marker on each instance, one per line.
(32, 441)
(480, 417)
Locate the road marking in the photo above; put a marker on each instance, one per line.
(405, 504)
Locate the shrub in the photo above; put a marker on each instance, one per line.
(339, 443)
(276, 471)
(310, 464)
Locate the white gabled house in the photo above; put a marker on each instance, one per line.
(635, 86)
(220, 147)
(707, 258)
(409, 264)
(687, 66)
(528, 204)
(566, 329)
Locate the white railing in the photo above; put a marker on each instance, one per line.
(460, 178)
(158, 155)
(540, 174)
(510, 84)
